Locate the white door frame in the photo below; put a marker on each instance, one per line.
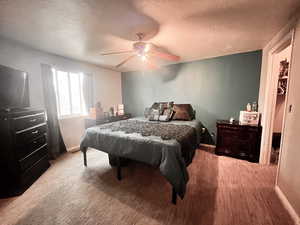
(270, 101)
(286, 105)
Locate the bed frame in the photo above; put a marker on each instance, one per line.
(119, 175)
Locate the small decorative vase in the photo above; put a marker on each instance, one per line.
(248, 108)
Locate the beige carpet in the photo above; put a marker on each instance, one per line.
(221, 191)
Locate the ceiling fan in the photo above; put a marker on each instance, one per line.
(144, 50)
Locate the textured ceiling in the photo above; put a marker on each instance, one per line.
(192, 29)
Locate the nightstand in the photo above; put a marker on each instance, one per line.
(240, 141)
(90, 122)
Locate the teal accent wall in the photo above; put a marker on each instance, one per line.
(217, 88)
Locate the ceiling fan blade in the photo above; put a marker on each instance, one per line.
(164, 55)
(115, 53)
(125, 61)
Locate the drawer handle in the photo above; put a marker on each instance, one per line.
(32, 120)
(35, 132)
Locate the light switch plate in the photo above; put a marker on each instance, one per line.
(290, 108)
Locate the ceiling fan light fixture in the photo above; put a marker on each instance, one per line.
(147, 47)
(144, 57)
(144, 50)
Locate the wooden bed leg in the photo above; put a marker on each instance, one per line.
(84, 158)
(174, 196)
(119, 175)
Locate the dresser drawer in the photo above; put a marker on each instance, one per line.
(25, 122)
(33, 172)
(22, 151)
(33, 157)
(26, 136)
(229, 127)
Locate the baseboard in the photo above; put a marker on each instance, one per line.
(207, 146)
(287, 205)
(73, 149)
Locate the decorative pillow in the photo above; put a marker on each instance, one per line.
(167, 115)
(155, 105)
(164, 110)
(161, 106)
(154, 115)
(183, 112)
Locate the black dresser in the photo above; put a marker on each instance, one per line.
(240, 141)
(23, 153)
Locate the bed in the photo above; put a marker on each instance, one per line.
(169, 146)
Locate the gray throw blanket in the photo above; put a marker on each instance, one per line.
(168, 146)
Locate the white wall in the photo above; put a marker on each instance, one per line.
(107, 83)
(72, 129)
(289, 164)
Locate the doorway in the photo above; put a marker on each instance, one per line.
(275, 56)
(281, 63)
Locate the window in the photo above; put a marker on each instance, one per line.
(69, 93)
